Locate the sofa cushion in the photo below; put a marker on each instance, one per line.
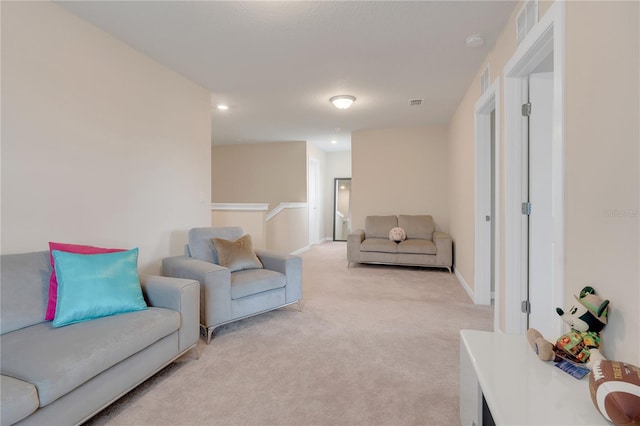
(200, 243)
(96, 285)
(418, 226)
(253, 281)
(25, 289)
(379, 226)
(57, 360)
(53, 281)
(417, 247)
(237, 255)
(382, 245)
(18, 399)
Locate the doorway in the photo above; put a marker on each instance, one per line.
(487, 136)
(341, 208)
(534, 178)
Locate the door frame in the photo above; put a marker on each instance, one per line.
(545, 37)
(489, 101)
(335, 204)
(314, 234)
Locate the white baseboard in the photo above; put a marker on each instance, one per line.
(464, 284)
(300, 251)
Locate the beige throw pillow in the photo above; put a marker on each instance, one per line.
(237, 255)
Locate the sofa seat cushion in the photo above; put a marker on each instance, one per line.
(58, 360)
(254, 281)
(18, 399)
(381, 245)
(417, 246)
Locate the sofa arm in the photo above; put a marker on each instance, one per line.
(286, 264)
(444, 249)
(215, 286)
(354, 240)
(179, 295)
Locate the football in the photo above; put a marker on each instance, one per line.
(615, 391)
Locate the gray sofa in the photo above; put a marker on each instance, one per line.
(423, 247)
(230, 296)
(65, 375)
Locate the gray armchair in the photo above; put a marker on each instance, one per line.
(230, 296)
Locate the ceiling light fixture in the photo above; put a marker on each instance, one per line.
(223, 107)
(342, 101)
(334, 142)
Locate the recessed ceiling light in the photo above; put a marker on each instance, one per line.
(342, 101)
(223, 107)
(475, 40)
(334, 142)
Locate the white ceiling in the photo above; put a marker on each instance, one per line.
(276, 64)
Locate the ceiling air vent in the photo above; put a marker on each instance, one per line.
(484, 80)
(415, 102)
(526, 19)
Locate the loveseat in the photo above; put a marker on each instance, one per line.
(228, 293)
(424, 246)
(64, 375)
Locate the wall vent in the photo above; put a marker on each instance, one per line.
(415, 102)
(484, 80)
(526, 19)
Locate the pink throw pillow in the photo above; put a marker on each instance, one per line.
(53, 281)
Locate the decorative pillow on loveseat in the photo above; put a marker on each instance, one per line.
(237, 255)
(96, 285)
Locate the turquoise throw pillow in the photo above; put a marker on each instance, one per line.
(96, 285)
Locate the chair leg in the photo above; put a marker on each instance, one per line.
(209, 334)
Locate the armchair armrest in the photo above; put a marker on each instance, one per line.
(354, 239)
(215, 286)
(180, 295)
(290, 266)
(444, 249)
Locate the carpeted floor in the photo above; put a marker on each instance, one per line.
(373, 345)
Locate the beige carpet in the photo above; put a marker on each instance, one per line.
(374, 345)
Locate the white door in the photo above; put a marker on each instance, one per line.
(314, 201)
(541, 238)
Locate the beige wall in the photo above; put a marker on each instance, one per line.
(462, 160)
(338, 166)
(400, 171)
(602, 150)
(259, 173)
(284, 230)
(100, 144)
(602, 161)
(251, 221)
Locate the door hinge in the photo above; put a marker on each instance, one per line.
(525, 307)
(526, 109)
(526, 208)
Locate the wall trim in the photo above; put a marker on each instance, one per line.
(240, 206)
(273, 213)
(301, 250)
(464, 284)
